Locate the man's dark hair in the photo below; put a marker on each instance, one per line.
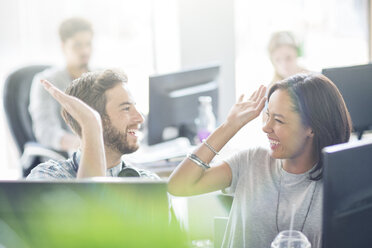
(70, 27)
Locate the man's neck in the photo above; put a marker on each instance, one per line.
(112, 158)
(76, 72)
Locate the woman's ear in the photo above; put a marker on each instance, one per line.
(310, 132)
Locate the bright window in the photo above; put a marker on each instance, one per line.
(123, 39)
(331, 33)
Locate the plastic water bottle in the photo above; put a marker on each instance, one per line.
(206, 121)
(290, 239)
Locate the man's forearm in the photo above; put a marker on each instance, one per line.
(93, 159)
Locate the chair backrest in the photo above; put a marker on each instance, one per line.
(16, 97)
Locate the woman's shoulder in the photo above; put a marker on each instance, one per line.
(258, 153)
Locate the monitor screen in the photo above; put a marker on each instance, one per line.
(347, 214)
(174, 100)
(355, 85)
(107, 213)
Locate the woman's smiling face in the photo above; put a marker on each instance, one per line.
(288, 136)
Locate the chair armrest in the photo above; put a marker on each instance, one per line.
(33, 149)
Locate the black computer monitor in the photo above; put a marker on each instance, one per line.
(84, 213)
(174, 100)
(355, 85)
(347, 214)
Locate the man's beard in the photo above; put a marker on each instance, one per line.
(116, 140)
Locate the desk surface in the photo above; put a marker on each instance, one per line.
(161, 158)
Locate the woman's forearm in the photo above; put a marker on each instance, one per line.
(189, 178)
(186, 176)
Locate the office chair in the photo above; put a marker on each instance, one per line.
(16, 96)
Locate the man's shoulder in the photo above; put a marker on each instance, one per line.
(53, 169)
(52, 72)
(148, 174)
(57, 75)
(144, 173)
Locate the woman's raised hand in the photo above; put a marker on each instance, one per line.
(245, 111)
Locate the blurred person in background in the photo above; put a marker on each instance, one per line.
(50, 130)
(284, 52)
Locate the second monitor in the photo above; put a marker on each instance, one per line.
(347, 213)
(355, 85)
(174, 100)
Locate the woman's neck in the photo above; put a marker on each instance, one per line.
(300, 164)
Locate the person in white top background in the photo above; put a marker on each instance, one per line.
(76, 35)
(284, 52)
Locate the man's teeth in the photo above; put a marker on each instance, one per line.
(132, 131)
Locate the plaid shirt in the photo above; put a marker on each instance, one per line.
(67, 169)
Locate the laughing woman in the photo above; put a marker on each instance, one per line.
(305, 113)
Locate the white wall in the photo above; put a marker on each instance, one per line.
(206, 30)
(166, 40)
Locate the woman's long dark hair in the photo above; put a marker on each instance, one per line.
(322, 108)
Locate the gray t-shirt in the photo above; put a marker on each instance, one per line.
(47, 122)
(259, 184)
